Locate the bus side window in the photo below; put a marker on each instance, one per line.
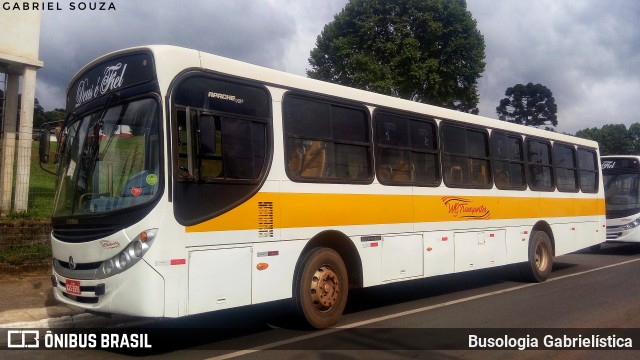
(326, 141)
(237, 149)
(566, 168)
(540, 165)
(465, 158)
(183, 145)
(209, 151)
(588, 169)
(314, 159)
(508, 162)
(456, 175)
(296, 156)
(407, 150)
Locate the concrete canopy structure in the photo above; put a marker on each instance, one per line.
(19, 43)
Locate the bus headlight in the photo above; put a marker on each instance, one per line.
(129, 256)
(122, 260)
(137, 249)
(630, 225)
(107, 267)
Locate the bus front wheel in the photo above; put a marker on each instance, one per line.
(538, 268)
(320, 287)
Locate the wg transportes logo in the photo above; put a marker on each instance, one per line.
(464, 208)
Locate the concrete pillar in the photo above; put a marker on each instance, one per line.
(23, 160)
(9, 142)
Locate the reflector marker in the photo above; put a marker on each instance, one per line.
(268, 253)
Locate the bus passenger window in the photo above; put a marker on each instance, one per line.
(407, 150)
(564, 159)
(351, 162)
(465, 158)
(326, 141)
(296, 157)
(209, 153)
(314, 159)
(540, 166)
(242, 147)
(456, 176)
(588, 168)
(508, 171)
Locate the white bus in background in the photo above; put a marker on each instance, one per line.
(621, 175)
(240, 185)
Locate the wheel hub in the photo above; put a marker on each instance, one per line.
(325, 288)
(542, 257)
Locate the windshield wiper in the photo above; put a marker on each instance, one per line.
(90, 157)
(113, 131)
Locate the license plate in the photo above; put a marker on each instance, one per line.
(73, 287)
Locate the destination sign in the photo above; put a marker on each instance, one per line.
(109, 76)
(620, 163)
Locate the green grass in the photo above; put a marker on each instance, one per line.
(41, 188)
(24, 236)
(28, 253)
(41, 185)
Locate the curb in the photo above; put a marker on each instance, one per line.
(79, 321)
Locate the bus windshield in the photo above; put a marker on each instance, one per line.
(109, 160)
(622, 192)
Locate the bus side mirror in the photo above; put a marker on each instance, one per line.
(44, 146)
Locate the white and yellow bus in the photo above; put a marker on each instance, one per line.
(621, 174)
(190, 183)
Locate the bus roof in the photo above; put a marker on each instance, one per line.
(172, 60)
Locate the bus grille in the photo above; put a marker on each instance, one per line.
(81, 299)
(85, 266)
(78, 235)
(613, 232)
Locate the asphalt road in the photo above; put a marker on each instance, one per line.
(588, 294)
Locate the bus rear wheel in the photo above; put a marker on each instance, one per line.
(321, 287)
(538, 268)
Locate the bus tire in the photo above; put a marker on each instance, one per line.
(538, 268)
(321, 287)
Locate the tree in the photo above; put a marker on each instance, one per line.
(423, 50)
(56, 114)
(614, 139)
(38, 114)
(531, 105)
(634, 135)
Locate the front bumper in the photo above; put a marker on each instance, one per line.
(139, 291)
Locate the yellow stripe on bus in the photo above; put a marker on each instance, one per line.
(293, 210)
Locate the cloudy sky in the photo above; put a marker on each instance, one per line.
(586, 51)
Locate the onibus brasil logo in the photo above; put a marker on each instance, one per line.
(465, 208)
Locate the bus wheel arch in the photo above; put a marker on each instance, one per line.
(341, 244)
(322, 278)
(541, 250)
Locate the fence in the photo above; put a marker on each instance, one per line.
(25, 246)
